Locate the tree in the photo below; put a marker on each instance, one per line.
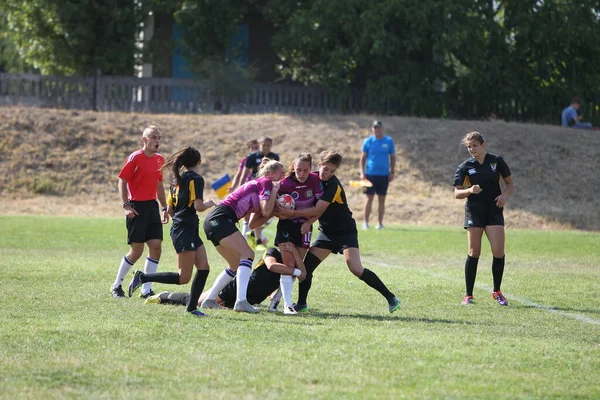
(67, 37)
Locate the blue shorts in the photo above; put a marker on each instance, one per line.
(380, 185)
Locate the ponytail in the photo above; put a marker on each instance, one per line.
(188, 158)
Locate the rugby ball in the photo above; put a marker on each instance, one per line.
(287, 201)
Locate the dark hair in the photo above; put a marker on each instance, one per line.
(251, 142)
(265, 139)
(299, 158)
(188, 158)
(331, 157)
(575, 101)
(469, 137)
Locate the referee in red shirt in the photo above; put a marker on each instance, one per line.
(140, 185)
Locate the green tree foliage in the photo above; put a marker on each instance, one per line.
(67, 37)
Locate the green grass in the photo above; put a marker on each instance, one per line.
(63, 336)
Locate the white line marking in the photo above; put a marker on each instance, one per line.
(529, 303)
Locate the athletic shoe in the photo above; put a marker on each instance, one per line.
(260, 247)
(394, 304)
(154, 299)
(117, 292)
(210, 304)
(146, 295)
(244, 306)
(301, 308)
(136, 282)
(365, 226)
(251, 239)
(499, 297)
(379, 226)
(273, 306)
(198, 313)
(467, 300)
(289, 310)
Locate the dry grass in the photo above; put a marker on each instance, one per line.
(62, 162)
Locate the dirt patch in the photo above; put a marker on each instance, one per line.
(59, 162)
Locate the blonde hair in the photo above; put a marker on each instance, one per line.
(469, 137)
(150, 130)
(267, 165)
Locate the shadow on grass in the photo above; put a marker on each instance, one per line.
(567, 309)
(396, 317)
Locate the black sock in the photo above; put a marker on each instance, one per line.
(171, 278)
(197, 288)
(178, 298)
(497, 272)
(311, 262)
(370, 278)
(470, 273)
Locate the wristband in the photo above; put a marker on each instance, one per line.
(126, 204)
(297, 272)
(164, 209)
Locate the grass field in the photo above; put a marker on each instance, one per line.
(63, 336)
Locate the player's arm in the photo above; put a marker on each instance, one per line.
(392, 166)
(162, 199)
(363, 162)
(201, 205)
(461, 193)
(507, 192)
(267, 205)
(245, 174)
(305, 228)
(257, 220)
(129, 211)
(312, 212)
(237, 179)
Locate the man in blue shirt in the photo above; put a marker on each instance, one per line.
(377, 164)
(570, 119)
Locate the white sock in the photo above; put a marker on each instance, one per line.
(276, 296)
(124, 269)
(150, 267)
(244, 229)
(222, 280)
(286, 283)
(242, 279)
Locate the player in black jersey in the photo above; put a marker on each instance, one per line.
(337, 233)
(478, 180)
(185, 199)
(263, 281)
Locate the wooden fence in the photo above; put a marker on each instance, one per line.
(159, 95)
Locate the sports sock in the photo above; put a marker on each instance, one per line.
(497, 272)
(276, 295)
(178, 298)
(242, 278)
(197, 288)
(124, 269)
(286, 283)
(311, 262)
(244, 229)
(470, 273)
(150, 267)
(170, 278)
(222, 280)
(370, 278)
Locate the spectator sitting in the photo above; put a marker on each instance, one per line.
(570, 119)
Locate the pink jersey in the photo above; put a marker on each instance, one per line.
(246, 199)
(304, 194)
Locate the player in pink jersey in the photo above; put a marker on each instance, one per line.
(305, 187)
(258, 196)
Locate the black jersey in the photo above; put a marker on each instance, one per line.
(337, 218)
(254, 159)
(182, 197)
(487, 175)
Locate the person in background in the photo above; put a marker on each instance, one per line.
(252, 146)
(377, 165)
(571, 119)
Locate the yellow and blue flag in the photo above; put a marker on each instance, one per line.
(222, 185)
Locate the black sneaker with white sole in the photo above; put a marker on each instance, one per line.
(117, 292)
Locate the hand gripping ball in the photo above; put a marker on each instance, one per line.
(287, 201)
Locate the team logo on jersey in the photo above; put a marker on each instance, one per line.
(286, 235)
(384, 146)
(469, 222)
(258, 160)
(214, 223)
(472, 171)
(295, 195)
(309, 193)
(493, 165)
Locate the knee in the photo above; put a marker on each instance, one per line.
(475, 253)
(134, 255)
(357, 270)
(184, 278)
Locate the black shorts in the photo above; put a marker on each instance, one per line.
(480, 216)
(261, 284)
(220, 223)
(185, 238)
(146, 225)
(380, 185)
(289, 231)
(336, 243)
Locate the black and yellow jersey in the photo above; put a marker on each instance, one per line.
(337, 218)
(182, 197)
(487, 175)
